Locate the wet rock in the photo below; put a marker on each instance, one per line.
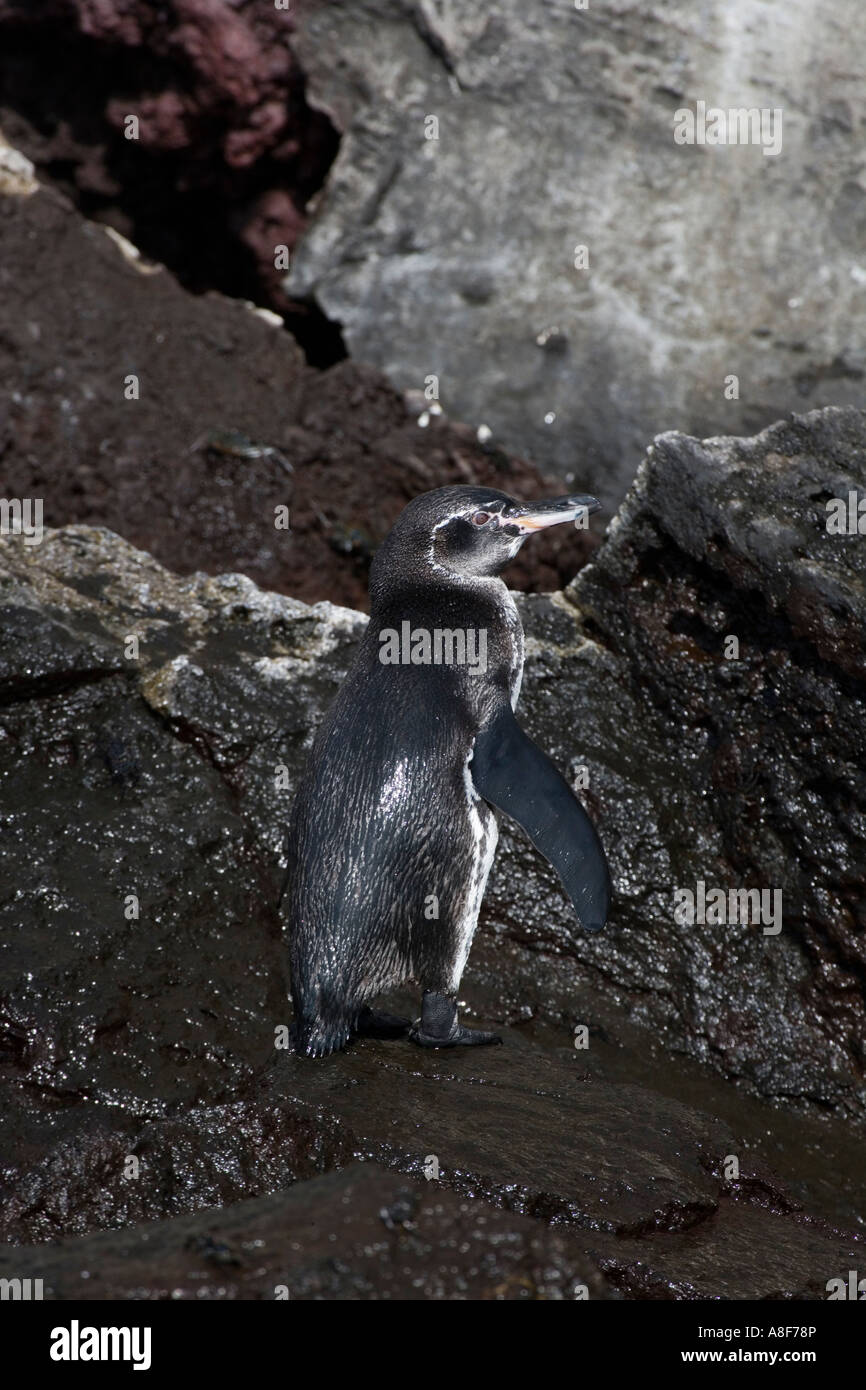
(483, 148)
(723, 1264)
(145, 787)
(740, 774)
(629, 1180)
(362, 1233)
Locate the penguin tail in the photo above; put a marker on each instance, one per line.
(319, 1039)
(325, 1016)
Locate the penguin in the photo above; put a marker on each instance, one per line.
(394, 824)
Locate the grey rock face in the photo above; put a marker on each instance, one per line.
(455, 256)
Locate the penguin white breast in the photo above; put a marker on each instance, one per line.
(484, 835)
(515, 632)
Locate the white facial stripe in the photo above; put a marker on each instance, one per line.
(455, 574)
(453, 516)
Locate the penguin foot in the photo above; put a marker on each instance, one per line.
(438, 1026)
(372, 1023)
(463, 1037)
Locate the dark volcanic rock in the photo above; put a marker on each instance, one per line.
(359, 1234)
(741, 774)
(145, 789)
(753, 770)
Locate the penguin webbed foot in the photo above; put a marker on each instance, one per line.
(463, 1037)
(438, 1026)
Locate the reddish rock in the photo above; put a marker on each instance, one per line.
(226, 138)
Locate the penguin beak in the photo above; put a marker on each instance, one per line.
(540, 514)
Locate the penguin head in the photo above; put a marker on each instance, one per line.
(470, 532)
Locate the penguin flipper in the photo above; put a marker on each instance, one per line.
(514, 775)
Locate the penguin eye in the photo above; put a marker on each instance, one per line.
(480, 518)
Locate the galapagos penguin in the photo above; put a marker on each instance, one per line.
(392, 832)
